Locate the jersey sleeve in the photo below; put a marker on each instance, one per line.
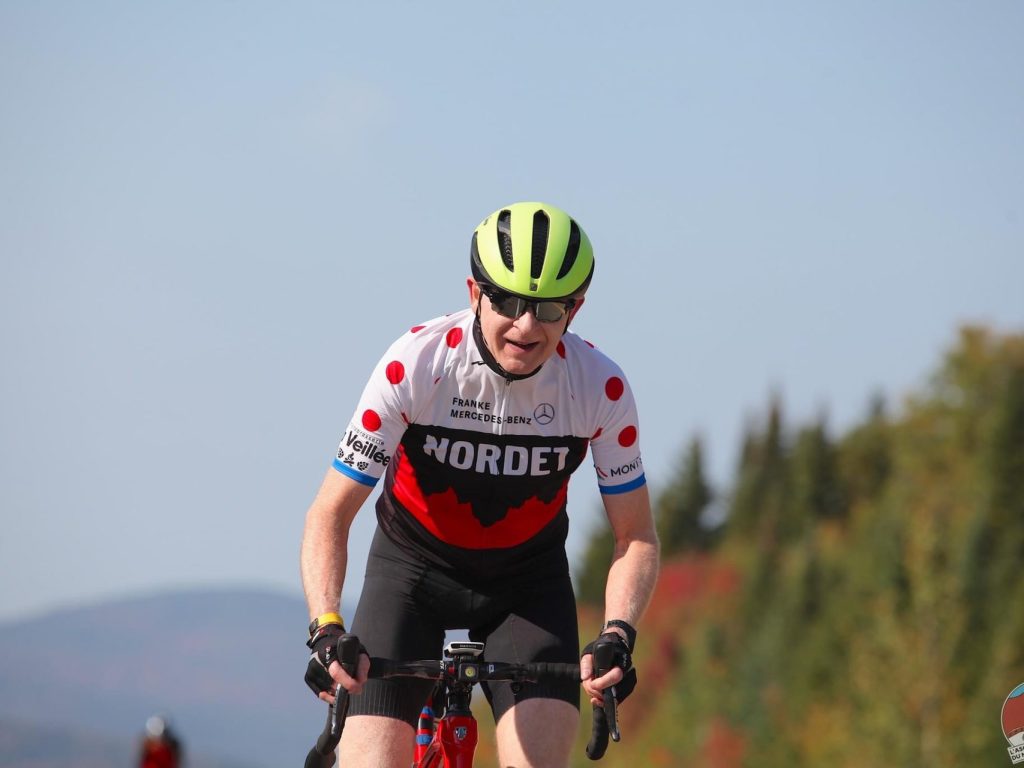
(380, 418)
(615, 445)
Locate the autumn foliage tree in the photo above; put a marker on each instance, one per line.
(877, 620)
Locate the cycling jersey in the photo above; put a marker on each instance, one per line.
(476, 461)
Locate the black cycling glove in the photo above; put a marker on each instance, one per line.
(331, 643)
(611, 650)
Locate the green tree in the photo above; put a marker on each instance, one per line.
(817, 490)
(760, 498)
(864, 457)
(681, 506)
(988, 374)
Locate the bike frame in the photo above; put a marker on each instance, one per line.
(453, 744)
(451, 741)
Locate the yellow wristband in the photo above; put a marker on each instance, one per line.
(324, 619)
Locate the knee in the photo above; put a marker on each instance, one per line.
(537, 733)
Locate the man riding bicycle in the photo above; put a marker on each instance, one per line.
(476, 420)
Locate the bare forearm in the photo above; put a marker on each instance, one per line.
(323, 562)
(324, 555)
(631, 579)
(634, 568)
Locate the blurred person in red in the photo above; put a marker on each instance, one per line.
(160, 746)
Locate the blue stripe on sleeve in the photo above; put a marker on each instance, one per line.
(632, 485)
(359, 477)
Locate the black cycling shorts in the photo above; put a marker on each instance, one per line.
(407, 604)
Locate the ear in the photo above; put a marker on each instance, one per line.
(474, 294)
(575, 309)
(572, 313)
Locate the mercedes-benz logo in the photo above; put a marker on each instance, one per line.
(544, 413)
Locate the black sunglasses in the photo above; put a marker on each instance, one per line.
(507, 305)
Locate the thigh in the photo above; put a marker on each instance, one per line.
(393, 622)
(539, 624)
(537, 733)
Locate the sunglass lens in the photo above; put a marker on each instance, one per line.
(549, 311)
(507, 305)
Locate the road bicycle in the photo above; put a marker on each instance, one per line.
(449, 741)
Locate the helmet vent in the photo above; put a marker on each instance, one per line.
(541, 224)
(505, 238)
(572, 250)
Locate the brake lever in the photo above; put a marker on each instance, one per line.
(611, 704)
(604, 660)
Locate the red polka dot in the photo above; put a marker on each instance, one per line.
(627, 437)
(597, 434)
(614, 388)
(395, 372)
(454, 337)
(405, 418)
(371, 420)
(417, 328)
(560, 349)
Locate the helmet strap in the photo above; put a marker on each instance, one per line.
(489, 359)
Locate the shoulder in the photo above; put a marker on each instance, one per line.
(430, 344)
(587, 362)
(447, 329)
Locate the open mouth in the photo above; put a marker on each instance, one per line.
(523, 346)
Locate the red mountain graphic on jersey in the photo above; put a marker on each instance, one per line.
(483, 491)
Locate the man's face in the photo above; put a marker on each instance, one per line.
(522, 345)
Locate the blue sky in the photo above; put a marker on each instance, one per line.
(216, 216)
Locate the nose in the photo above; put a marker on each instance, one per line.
(527, 321)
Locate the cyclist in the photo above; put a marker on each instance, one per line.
(476, 420)
(160, 746)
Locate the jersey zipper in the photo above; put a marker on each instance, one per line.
(503, 410)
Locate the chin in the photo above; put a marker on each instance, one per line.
(518, 367)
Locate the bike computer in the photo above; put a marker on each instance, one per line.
(463, 648)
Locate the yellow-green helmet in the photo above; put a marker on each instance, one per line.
(532, 250)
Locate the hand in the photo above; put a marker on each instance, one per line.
(337, 658)
(620, 672)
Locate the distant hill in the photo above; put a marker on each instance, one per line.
(34, 746)
(225, 666)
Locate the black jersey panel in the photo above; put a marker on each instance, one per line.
(511, 486)
(473, 490)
